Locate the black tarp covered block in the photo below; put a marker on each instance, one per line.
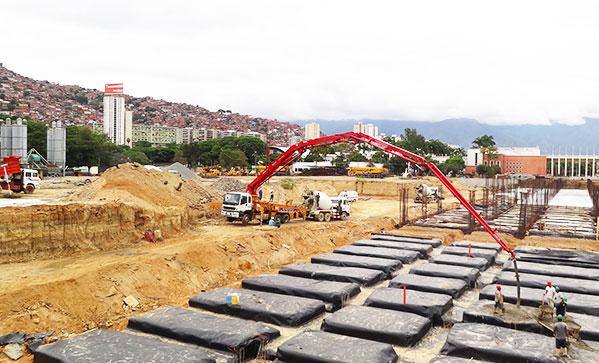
(423, 249)
(103, 346)
(474, 252)
(449, 359)
(468, 274)
(566, 284)
(456, 260)
(338, 259)
(362, 276)
(272, 308)
(405, 256)
(474, 244)
(553, 270)
(323, 347)
(241, 337)
(589, 326)
(577, 303)
(440, 285)
(567, 257)
(425, 304)
(383, 325)
(434, 242)
(336, 293)
(498, 344)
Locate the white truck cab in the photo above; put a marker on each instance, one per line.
(341, 207)
(237, 206)
(27, 181)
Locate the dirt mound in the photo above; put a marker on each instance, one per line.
(182, 170)
(149, 189)
(226, 185)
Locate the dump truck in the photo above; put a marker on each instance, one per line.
(16, 179)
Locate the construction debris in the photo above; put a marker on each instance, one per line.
(131, 302)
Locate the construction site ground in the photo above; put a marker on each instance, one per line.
(77, 283)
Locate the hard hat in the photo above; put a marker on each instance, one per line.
(548, 283)
(560, 317)
(564, 299)
(498, 287)
(557, 288)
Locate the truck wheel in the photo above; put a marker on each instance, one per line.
(286, 218)
(320, 217)
(245, 219)
(344, 216)
(29, 189)
(230, 219)
(278, 219)
(327, 217)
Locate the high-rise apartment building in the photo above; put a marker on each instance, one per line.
(117, 121)
(311, 131)
(368, 129)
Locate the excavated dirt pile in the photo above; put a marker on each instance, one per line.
(112, 212)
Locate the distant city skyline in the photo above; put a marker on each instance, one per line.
(500, 62)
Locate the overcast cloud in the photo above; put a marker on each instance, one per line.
(496, 61)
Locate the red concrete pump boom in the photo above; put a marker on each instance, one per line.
(298, 149)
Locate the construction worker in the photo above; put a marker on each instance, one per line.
(272, 196)
(561, 307)
(498, 300)
(260, 193)
(560, 329)
(547, 299)
(558, 295)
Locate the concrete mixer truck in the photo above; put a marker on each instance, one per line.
(320, 207)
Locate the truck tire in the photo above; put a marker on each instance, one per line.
(327, 217)
(320, 216)
(286, 218)
(278, 219)
(30, 188)
(344, 216)
(245, 219)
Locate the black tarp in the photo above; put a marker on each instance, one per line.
(523, 319)
(423, 249)
(577, 303)
(494, 343)
(449, 359)
(422, 240)
(241, 337)
(426, 304)
(474, 244)
(383, 325)
(272, 308)
(566, 284)
(558, 256)
(338, 259)
(336, 293)
(405, 256)
(439, 285)
(96, 346)
(456, 260)
(362, 276)
(474, 252)
(468, 274)
(553, 270)
(589, 325)
(320, 347)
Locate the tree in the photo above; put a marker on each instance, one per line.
(232, 158)
(136, 156)
(488, 171)
(483, 141)
(453, 166)
(438, 147)
(36, 136)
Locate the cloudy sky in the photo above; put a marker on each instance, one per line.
(501, 62)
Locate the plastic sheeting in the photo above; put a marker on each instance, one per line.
(468, 274)
(566, 284)
(553, 270)
(114, 346)
(362, 276)
(241, 337)
(405, 256)
(482, 311)
(423, 249)
(383, 325)
(558, 256)
(589, 326)
(484, 245)
(393, 237)
(336, 293)
(426, 304)
(272, 308)
(440, 285)
(448, 359)
(577, 303)
(482, 341)
(319, 347)
(455, 260)
(338, 259)
(474, 252)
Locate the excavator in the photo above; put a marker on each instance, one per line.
(246, 206)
